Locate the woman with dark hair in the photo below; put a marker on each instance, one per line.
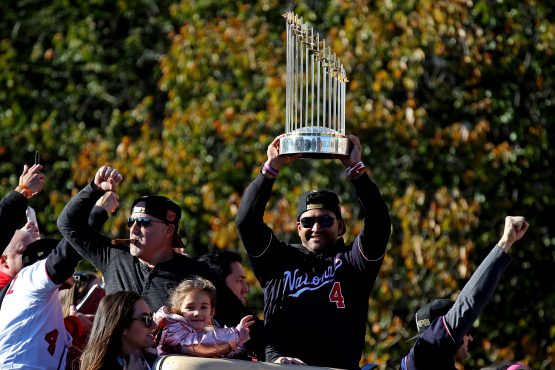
(122, 328)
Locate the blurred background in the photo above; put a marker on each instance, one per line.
(453, 100)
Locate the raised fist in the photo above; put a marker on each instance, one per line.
(107, 178)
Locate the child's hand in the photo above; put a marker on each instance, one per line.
(244, 328)
(245, 323)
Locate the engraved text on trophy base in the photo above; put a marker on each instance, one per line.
(314, 145)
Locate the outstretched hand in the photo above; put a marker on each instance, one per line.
(107, 178)
(277, 161)
(33, 229)
(246, 322)
(515, 228)
(355, 155)
(244, 328)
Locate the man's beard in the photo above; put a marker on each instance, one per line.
(135, 248)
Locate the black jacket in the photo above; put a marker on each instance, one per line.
(12, 216)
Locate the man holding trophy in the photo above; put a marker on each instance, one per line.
(315, 293)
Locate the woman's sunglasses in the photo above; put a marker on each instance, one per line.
(147, 319)
(142, 221)
(323, 221)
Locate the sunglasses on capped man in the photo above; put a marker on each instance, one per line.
(142, 221)
(323, 221)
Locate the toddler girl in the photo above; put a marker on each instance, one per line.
(186, 328)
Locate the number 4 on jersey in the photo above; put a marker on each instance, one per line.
(51, 339)
(336, 295)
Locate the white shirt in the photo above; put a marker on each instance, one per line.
(32, 331)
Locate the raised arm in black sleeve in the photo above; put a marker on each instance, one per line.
(252, 230)
(63, 260)
(477, 293)
(12, 216)
(377, 222)
(74, 226)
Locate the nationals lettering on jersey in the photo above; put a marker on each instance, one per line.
(297, 283)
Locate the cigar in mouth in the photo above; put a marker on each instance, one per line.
(121, 241)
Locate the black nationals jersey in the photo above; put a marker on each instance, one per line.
(315, 304)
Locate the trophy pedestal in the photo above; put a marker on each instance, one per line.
(314, 142)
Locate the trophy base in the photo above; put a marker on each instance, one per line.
(319, 145)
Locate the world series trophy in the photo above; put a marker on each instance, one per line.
(315, 95)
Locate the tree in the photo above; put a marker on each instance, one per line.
(452, 101)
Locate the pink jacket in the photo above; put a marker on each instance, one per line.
(176, 336)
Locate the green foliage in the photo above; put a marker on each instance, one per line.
(452, 100)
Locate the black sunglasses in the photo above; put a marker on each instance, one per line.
(142, 221)
(147, 319)
(323, 221)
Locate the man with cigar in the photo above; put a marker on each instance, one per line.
(315, 293)
(148, 265)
